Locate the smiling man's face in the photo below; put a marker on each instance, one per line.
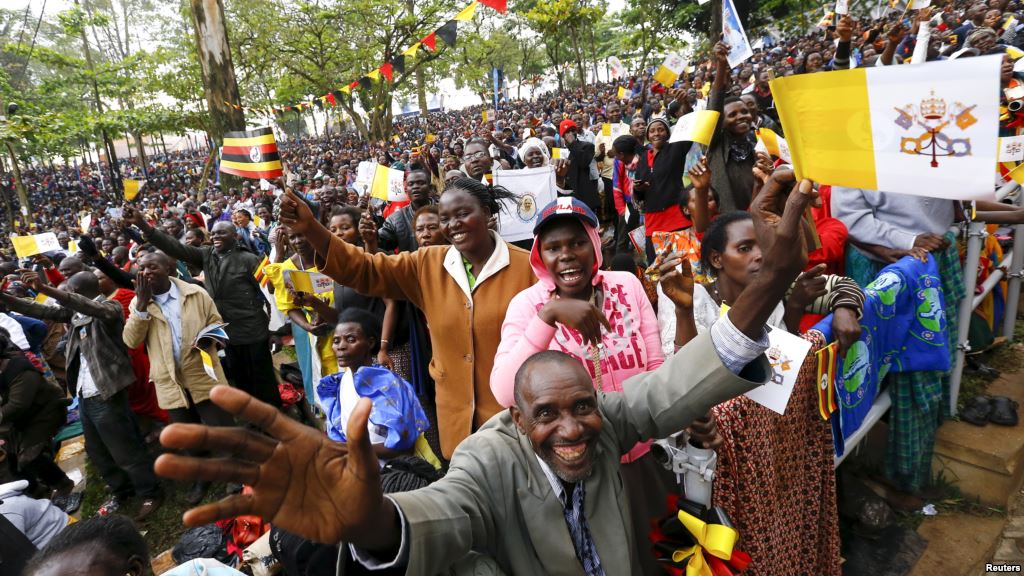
(556, 407)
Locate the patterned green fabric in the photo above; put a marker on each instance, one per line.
(920, 400)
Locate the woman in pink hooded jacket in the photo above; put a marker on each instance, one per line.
(601, 318)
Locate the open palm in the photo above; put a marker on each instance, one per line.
(302, 481)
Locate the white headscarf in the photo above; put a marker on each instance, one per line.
(534, 143)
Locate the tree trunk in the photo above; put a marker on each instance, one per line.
(143, 161)
(579, 60)
(114, 170)
(219, 81)
(716, 22)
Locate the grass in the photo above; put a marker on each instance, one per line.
(163, 528)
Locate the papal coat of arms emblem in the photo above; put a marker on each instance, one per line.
(935, 116)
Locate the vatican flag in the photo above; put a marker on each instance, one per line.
(927, 130)
(698, 126)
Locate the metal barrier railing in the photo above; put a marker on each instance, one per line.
(1010, 267)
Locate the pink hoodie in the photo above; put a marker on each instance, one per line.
(632, 346)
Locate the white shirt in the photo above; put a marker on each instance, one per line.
(347, 400)
(170, 304)
(86, 385)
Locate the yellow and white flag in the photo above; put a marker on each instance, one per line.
(131, 188)
(671, 68)
(622, 93)
(559, 153)
(927, 130)
(698, 126)
(772, 144)
(388, 184)
(208, 365)
(25, 246)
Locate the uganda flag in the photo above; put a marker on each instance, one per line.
(827, 360)
(251, 154)
(260, 274)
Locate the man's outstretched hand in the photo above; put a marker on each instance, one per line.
(302, 481)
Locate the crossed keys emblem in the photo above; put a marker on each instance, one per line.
(934, 115)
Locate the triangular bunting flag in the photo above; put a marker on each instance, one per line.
(398, 64)
(332, 98)
(386, 71)
(411, 50)
(430, 42)
(448, 32)
(467, 13)
(351, 86)
(365, 82)
(500, 5)
(375, 75)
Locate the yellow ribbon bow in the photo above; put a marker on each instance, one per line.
(716, 539)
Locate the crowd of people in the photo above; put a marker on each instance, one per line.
(505, 395)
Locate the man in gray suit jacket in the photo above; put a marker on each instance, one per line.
(537, 488)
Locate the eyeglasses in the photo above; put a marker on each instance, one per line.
(475, 156)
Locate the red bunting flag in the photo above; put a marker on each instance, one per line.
(387, 71)
(330, 98)
(500, 5)
(353, 85)
(430, 41)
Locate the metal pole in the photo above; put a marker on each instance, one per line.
(975, 236)
(1014, 274)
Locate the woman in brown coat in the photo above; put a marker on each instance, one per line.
(463, 290)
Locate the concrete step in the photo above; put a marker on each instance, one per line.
(958, 544)
(988, 461)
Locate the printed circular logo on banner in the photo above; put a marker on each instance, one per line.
(255, 155)
(526, 209)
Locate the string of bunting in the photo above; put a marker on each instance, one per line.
(386, 71)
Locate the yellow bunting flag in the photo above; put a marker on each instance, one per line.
(411, 50)
(698, 126)
(467, 13)
(25, 246)
(925, 130)
(132, 188)
(375, 75)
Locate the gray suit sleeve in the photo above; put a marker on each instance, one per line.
(454, 516)
(662, 402)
